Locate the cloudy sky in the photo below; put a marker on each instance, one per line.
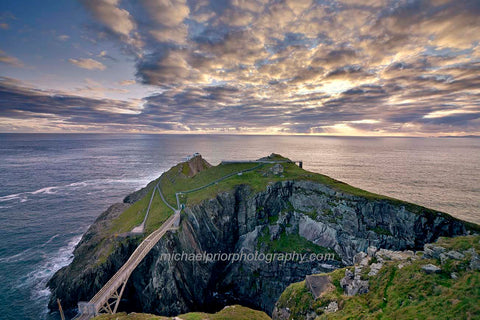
(332, 67)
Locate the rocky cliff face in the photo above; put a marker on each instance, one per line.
(243, 221)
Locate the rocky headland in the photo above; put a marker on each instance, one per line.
(271, 207)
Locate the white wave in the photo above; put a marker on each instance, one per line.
(49, 240)
(23, 196)
(11, 197)
(55, 190)
(27, 254)
(22, 256)
(78, 184)
(47, 190)
(37, 279)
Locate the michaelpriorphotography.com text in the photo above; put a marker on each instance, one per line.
(247, 256)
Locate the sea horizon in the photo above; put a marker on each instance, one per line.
(52, 189)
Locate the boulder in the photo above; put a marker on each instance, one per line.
(352, 286)
(277, 169)
(430, 268)
(332, 307)
(432, 251)
(358, 258)
(455, 255)
(474, 260)
(371, 251)
(318, 284)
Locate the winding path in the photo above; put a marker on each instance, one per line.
(108, 297)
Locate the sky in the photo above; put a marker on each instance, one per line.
(323, 67)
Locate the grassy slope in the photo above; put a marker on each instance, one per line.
(177, 179)
(229, 313)
(135, 214)
(406, 293)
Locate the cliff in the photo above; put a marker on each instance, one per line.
(266, 208)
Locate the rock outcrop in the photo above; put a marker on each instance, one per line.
(403, 283)
(245, 220)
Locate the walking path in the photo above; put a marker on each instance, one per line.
(108, 297)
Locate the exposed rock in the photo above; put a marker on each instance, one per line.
(395, 255)
(455, 255)
(332, 307)
(359, 258)
(374, 268)
(430, 268)
(274, 231)
(232, 222)
(371, 251)
(474, 260)
(432, 251)
(407, 284)
(197, 164)
(277, 169)
(352, 286)
(318, 284)
(281, 313)
(443, 258)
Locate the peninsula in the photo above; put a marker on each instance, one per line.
(266, 206)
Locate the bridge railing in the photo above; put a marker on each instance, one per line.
(105, 293)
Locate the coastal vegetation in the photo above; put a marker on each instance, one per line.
(256, 175)
(267, 206)
(235, 312)
(400, 290)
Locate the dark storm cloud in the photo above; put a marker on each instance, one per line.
(303, 66)
(18, 102)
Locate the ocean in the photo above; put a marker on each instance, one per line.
(53, 186)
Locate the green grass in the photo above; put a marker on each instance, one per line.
(380, 230)
(235, 312)
(131, 217)
(298, 298)
(131, 316)
(460, 243)
(176, 180)
(290, 243)
(159, 212)
(406, 293)
(134, 215)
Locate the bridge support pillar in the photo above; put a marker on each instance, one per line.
(113, 300)
(86, 309)
(119, 297)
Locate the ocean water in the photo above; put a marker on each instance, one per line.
(52, 187)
